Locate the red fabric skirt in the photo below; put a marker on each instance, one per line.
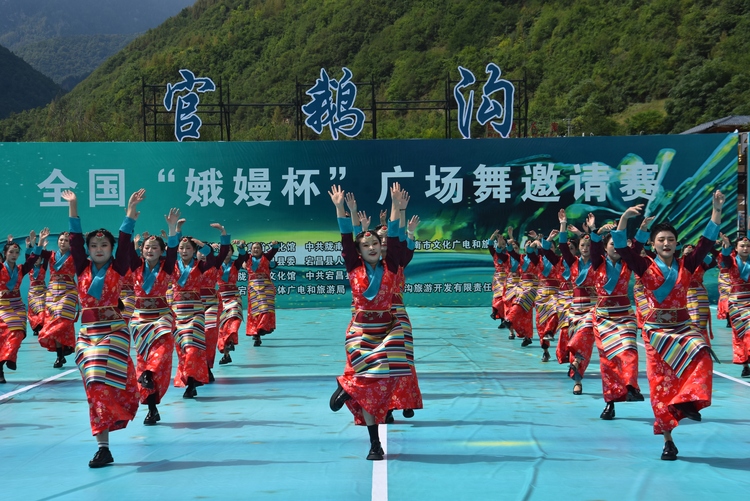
(160, 364)
(667, 389)
(618, 374)
(407, 395)
(373, 394)
(10, 342)
(191, 362)
(228, 333)
(111, 408)
(521, 320)
(57, 330)
(261, 324)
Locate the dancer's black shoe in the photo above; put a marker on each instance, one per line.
(688, 409)
(577, 389)
(670, 451)
(11, 365)
(146, 380)
(408, 413)
(226, 359)
(746, 371)
(211, 377)
(339, 398)
(526, 341)
(102, 458)
(545, 356)
(609, 412)
(376, 452)
(389, 417)
(59, 362)
(257, 341)
(634, 395)
(152, 418)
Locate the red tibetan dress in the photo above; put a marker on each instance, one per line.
(61, 303)
(12, 310)
(189, 334)
(698, 306)
(127, 297)
(407, 394)
(103, 344)
(520, 316)
(548, 291)
(738, 272)
(678, 360)
(231, 303)
(261, 295)
(500, 261)
(563, 300)
(375, 354)
(37, 294)
(614, 325)
(722, 308)
(212, 310)
(580, 343)
(512, 284)
(153, 321)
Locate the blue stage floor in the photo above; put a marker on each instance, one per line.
(497, 425)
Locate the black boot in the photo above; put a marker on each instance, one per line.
(257, 341)
(745, 371)
(408, 413)
(190, 391)
(526, 341)
(60, 361)
(609, 412)
(688, 409)
(2, 375)
(211, 377)
(153, 413)
(634, 395)
(389, 417)
(226, 359)
(102, 458)
(670, 451)
(11, 365)
(376, 451)
(147, 380)
(339, 398)
(545, 355)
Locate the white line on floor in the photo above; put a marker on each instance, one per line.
(13, 393)
(380, 469)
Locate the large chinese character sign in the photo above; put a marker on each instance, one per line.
(186, 121)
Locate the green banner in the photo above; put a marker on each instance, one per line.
(462, 189)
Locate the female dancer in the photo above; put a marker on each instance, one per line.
(547, 318)
(520, 315)
(231, 304)
(103, 345)
(698, 306)
(37, 289)
(190, 336)
(211, 307)
(614, 322)
(261, 293)
(500, 261)
(12, 309)
(152, 323)
(513, 281)
(581, 313)
(374, 340)
(679, 365)
(738, 271)
(58, 333)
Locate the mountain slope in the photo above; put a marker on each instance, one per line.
(586, 61)
(23, 86)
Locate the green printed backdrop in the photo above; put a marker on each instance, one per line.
(231, 183)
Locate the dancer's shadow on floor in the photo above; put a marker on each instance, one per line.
(198, 425)
(742, 464)
(162, 466)
(442, 424)
(469, 459)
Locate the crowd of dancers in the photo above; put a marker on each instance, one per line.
(169, 293)
(181, 295)
(577, 281)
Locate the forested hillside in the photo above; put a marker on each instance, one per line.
(23, 87)
(603, 67)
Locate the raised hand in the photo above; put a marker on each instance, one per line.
(396, 193)
(533, 234)
(137, 239)
(136, 198)
(725, 241)
(413, 223)
(364, 221)
(404, 200)
(633, 211)
(574, 230)
(646, 222)
(68, 196)
(32, 236)
(719, 199)
(43, 236)
(562, 217)
(199, 243)
(351, 202)
(173, 217)
(383, 217)
(180, 222)
(337, 195)
(219, 227)
(604, 229)
(591, 221)
(552, 235)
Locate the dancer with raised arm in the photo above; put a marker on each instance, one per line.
(37, 289)
(580, 343)
(12, 310)
(500, 261)
(738, 271)
(231, 304)
(614, 322)
(103, 345)
(261, 293)
(520, 315)
(152, 323)
(374, 339)
(678, 359)
(190, 335)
